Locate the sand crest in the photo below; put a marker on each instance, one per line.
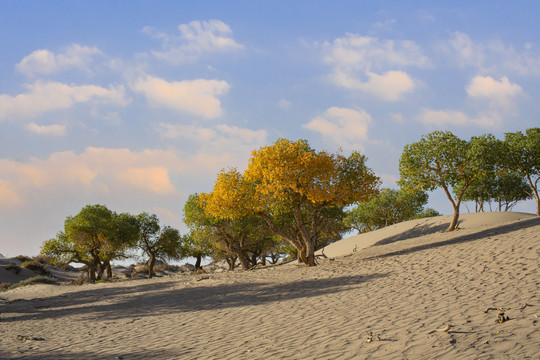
(390, 301)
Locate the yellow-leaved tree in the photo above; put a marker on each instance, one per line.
(298, 192)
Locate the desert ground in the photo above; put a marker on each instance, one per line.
(409, 291)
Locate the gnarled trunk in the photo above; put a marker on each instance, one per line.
(151, 264)
(198, 262)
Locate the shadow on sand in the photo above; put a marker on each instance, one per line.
(170, 297)
(492, 231)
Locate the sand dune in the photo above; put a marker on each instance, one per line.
(379, 302)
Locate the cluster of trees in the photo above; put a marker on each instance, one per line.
(294, 200)
(288, 193)
(96, 236)
(390, 207)
(483, 169)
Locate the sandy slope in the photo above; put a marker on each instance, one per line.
(400, 292)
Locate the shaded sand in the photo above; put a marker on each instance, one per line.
(7, 276)
(398, 292)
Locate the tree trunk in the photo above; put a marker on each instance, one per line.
(243, 259)
(310, 253)
(231, 261)
(198, 262)
(253, 260)
(109, 270)
(151, 264)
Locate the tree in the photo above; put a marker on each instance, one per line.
(291, 187)
(506, 189)
(156, 242)
(390, 207)
(523, 157)
(242, 238)
(441, 159)
(94, 237)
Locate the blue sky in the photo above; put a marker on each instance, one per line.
(138, 104)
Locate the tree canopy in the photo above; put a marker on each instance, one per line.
(94, 237)
(523, 157)
(390, 207)
(291, 187)
(441, 159)
(157, 243)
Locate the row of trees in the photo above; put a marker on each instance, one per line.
(483, 169)
(294, 200)
(96, 236)
(390, 207)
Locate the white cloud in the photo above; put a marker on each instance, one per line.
(96, 171)
(368, 64)
(398, 118)
(216, 147)
(494, 56)
(346, 127)
(44, 97)
(56, 130)
(197, 97)
(501, 93)
(445, 118)
(44, 62)
(195, 39)
(390, 86)
(284, 104)
(219, 134)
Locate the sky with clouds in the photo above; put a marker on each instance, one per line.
(137, 104)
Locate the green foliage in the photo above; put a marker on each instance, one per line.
(390, 207)
(523, 157)
(427, 212)
(441, 159)
(243, 238)
(505, 190)
(40, 279)
(94, 237)
(157, 243)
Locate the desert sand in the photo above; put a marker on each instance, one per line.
(386, 301)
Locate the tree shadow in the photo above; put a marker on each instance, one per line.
(417, 231)
(492, 231)
(137, 301)
(70, 355)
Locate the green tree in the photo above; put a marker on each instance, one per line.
(291, 187)
(390, 207)
(523, 157)
(505, 190)
(441, 159)
(94, 237)
(157, 243)
(241, 238)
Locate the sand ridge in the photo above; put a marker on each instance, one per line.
(394, 294)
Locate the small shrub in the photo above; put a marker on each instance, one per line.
(65, 266)
(140, 269)
(40, 279)
(44, 259)
(23, 258)
(13, 268)
(36, 267)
